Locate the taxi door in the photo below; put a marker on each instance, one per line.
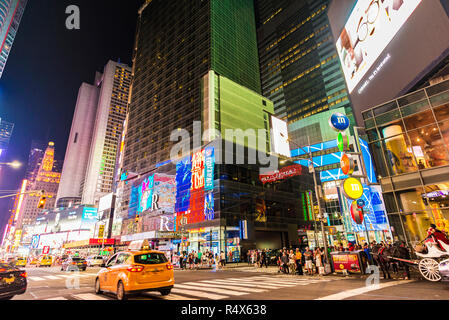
(118, 267)
(105, 275)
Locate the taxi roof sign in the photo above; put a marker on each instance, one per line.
(139, 245)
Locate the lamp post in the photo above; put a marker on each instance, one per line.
(312, 170)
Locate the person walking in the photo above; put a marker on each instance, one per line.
(181, 257)
(284, 261)
(264, 259)
(319, 261)
(298, 259)
(292, 261)
(222, 259)
(308, 257)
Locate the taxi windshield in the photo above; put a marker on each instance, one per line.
(150, 258)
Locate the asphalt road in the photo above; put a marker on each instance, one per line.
(53, 284)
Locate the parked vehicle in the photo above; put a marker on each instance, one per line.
(13, 281)
(94, 261)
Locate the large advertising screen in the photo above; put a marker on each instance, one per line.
(368, 31)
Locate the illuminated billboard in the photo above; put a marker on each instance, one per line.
(279, 132)
(371, 26)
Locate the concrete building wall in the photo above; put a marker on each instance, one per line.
(78, 147)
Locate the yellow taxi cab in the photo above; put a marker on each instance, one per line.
(21, 262)
(33, 261)
(136, 270)
(45, 261)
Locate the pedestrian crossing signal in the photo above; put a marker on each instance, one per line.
(41, 203)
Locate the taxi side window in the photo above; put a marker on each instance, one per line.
(111, 261)
(121, 259)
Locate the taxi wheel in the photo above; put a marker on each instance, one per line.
(121, 295)
(97, 287)
(165, 292)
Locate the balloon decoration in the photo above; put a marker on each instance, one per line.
(356, 213)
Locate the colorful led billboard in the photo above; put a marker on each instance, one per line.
(368, 31)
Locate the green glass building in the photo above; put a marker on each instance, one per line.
(300, 68)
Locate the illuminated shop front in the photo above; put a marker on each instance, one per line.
(409, 138)
(199, 205)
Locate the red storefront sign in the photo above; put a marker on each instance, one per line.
(46, 250)
(284, 173)
(346, 261)
(102, 241)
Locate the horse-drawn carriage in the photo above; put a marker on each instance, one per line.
(433, 262)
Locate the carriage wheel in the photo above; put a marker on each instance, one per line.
(429, 270)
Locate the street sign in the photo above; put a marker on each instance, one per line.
(347, 164)
(46, 250)
(101, 231)
(339, 122)
(352, 188)
(343, 142)
(356, 213)
(361, 203)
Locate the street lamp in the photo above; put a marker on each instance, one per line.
(312, 171)
(15, 164)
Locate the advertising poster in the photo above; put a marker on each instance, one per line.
(346, 261)
(165, 189)
(183, 184)
(209, 167)
(261, 210)
(209, 206)
(368, 31)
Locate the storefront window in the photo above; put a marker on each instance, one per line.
(376, 151)
(444, 127)
(419, 120)
(428, 147)
(437, 198)
(442, 112)
(398, 155)
(415, 107)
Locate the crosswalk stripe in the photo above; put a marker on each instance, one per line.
(199, 294)
(211, 288)
(89, 296)
(272, 282)
(294, 281)
(177, 297)
(52, 278)
(224, 286)
(56, 298)
(36, 278)
(246, 284)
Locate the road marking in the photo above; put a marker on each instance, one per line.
(224, 286)
(89, 296)
(211, 288)
(36, 278)
(360, 291)
(177, 297)
(199, 294)
(56, 298)
(246, 284)
(266, 282)
(52, 278)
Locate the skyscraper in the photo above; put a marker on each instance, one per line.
(6, 129)
(79, 144)
(300, 68)
(97, 125)
(11, 12)
(48, 181)
(177, 43)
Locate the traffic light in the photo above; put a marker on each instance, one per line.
(137, 218)
(41, 203)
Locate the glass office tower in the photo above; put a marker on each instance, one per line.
(300, 69)
(11, 12)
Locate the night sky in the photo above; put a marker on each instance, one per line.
(46, 66)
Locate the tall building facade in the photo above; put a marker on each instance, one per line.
(409, 139)
(79, 144)
(6, 129)
(299, 65)
(11, 12)
(96, 129)
(197, 61)
(47, 180)
(177, 43)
